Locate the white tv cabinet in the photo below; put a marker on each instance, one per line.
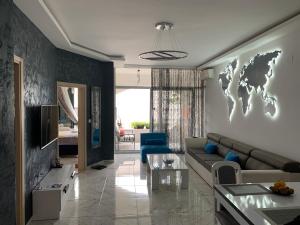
(49, 197)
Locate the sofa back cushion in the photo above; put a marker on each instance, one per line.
(253, 164)
(214, 137)
(158, 138)
(276, 161)
(243, 148)
(222, 150)
(227, 142)
(155, 141)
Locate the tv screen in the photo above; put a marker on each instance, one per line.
(49, 124)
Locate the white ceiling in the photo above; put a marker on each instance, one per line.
(125, 28)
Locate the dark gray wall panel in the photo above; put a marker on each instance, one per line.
(44, 65)
(40, 89)
(7, 146)
(74, 68)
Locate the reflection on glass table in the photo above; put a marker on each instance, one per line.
(257, 208)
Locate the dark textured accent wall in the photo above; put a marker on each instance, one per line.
(7, 146)
(39, 89)
(44, 65)
(75, 68)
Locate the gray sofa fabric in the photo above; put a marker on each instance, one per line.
(251, 158)
(227, 142)
(214, 137)
(253, 164)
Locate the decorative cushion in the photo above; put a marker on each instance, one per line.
(210, 148)
(231, 156)
(154, 142)
(121, 132)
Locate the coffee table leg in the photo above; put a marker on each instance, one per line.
(184, 179)
(154, 179)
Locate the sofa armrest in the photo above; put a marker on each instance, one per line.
(191, 142)
(262, 176)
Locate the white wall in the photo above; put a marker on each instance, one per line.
(280, 135)
(129, 77)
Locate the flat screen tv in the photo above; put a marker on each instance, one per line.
(49, 124)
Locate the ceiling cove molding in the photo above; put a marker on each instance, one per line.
(245, 45)
(74, 45)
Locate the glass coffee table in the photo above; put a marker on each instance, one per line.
(157, 166)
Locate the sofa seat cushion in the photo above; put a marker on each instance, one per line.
(254, 164)
(274, 160)
(210, 157)
(207, 162)
(193, 151)
(153, 149)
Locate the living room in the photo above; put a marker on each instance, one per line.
(223, 84)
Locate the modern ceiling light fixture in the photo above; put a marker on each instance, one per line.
(166, 45)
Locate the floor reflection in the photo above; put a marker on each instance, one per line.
(119, 195)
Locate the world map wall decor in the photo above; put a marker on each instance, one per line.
(225, 79)
(254, 78)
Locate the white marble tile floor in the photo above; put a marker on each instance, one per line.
(119, 195)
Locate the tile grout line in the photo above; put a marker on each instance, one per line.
(103, 190)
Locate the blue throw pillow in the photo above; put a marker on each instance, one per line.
(154, 142)
(210, 148)
(231, 156)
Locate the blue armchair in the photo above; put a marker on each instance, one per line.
(154, 143)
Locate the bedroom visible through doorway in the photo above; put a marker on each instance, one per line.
(68, 124)
(71, 142)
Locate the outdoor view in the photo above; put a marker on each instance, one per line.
(132, 117)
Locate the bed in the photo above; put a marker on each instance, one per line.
(68, 141)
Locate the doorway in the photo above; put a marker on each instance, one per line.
(19, 140)
(132, 117)
(71, 99)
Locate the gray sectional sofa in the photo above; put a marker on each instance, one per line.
(257, 165)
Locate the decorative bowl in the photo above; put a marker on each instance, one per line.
(286, 191)
(168, 161)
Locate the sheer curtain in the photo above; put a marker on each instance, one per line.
(177, 104)
(65, 102)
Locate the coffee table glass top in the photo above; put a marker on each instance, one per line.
(156, 161)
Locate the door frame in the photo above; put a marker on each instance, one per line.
(82, 120)
(19, 140)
